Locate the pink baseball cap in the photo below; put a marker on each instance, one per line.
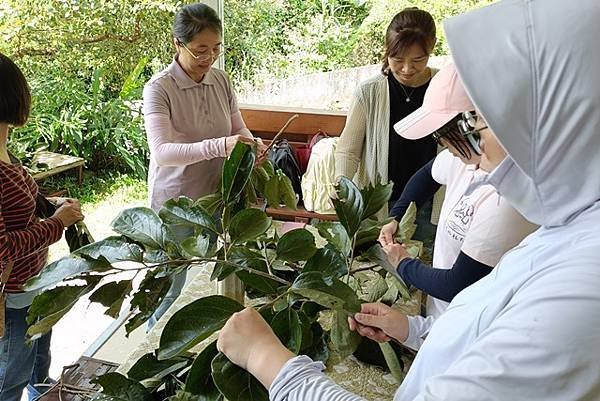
(444, 99)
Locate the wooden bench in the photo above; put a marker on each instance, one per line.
(265, 121)
(57, 163)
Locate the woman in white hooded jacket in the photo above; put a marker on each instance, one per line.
(528, 330)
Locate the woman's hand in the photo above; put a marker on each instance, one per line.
(396, 253)
(260, 151)
(230, 142)
(380, 323)
(58, 202)
(249, 342)
(386, 235)
(69, 213)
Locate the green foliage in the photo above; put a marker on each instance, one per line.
(235, 383)
(295, 280)
(86, 63)
(195, 322)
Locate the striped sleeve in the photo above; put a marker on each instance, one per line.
(16, 244)
(301, 379)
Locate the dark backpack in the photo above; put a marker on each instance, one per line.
(282, 156)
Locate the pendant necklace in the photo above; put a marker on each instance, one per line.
(407, 94)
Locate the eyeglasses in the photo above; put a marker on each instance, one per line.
(203, 55)
(466, 125)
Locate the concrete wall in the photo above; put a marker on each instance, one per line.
(326, 90)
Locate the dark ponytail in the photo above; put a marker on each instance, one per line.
(192, 19)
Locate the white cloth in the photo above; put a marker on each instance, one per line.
(482, 225)
(318, 182)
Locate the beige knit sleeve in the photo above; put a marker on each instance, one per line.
(351, 142)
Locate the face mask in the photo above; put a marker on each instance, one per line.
(516, 187)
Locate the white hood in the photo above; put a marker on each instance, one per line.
(538, 88)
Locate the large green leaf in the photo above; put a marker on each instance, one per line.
(326, 291)
(195, 322)
(141, 224)
(336, 235)
(296, 245)
(372, 286)
(198, 246)
(271, 192)
(327, 260)
(112, 296)
(407, 226)
(199, 380)
(149, 295)
(210, 203)
(263, 284)
(114, 249)
(69, 266)
(286, 191)
(348, 205)
(183, 210)
(50, 306)
(377, 254)
(248, 224)
(369, 231)
(318, 350)
(375, 197)
(259, 178)
(343, 339)
(286, 325)
(119, 388)
(235, 383)
(236, 171)
(148, 366)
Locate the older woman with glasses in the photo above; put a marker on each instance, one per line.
(192, 118)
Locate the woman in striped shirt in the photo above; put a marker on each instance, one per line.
(24, 240)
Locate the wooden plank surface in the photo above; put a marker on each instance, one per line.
(270, 119)
(56, 162)
(300, 212)
(81, 376)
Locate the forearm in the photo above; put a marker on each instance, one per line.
(267, 364)
(443, 284)
(301, 379)
(419, 189)
(165, 153)
(19, 243)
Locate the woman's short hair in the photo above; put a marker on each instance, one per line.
(409, 27)
(15, 98)
(192, 19)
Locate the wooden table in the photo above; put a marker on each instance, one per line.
(57, 163)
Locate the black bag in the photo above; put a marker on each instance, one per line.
(282, 156)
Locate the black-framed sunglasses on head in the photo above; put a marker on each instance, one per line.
(466, 125)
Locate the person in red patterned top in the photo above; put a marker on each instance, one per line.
(24, 240)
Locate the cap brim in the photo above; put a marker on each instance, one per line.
(421, 123)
